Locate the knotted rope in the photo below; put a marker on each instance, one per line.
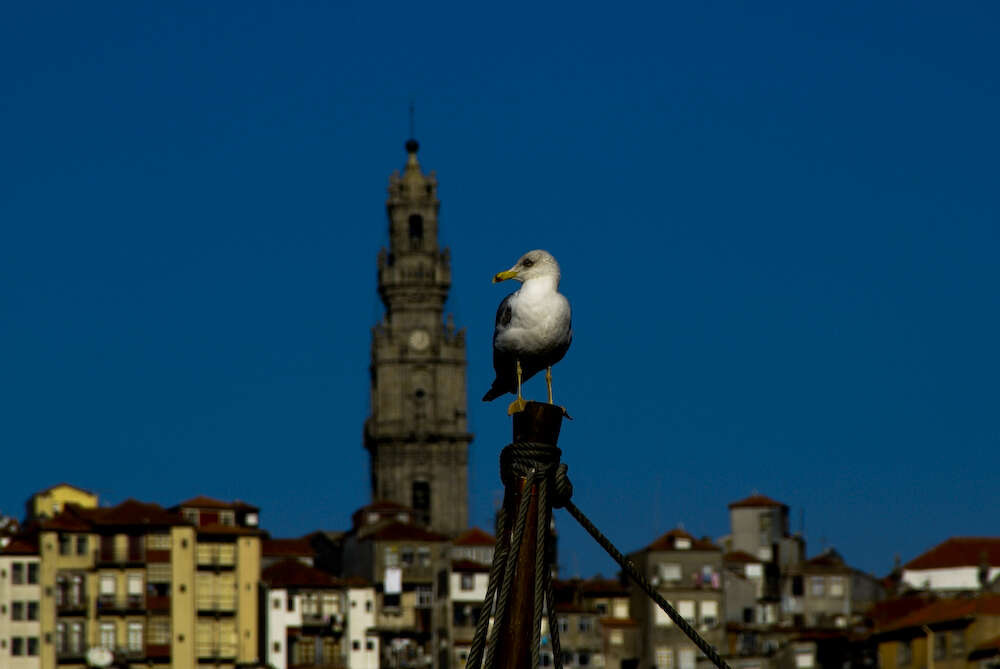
(538, 465)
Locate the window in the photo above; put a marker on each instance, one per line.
(685, 657)
(663, 658)
(159, 631)
(422, 500)
(32, 572)
(709, 613)
(158, 542)
(958, 642)
(836, 586)
(416, 231)
(391, 556)
(586, 624)
(75, 644)
(468, 581)
(355, 645)
(797, 589)
(135, 636)
(904, 653)
(65, 544)
(60, 637)
(660, 616)
(583, 659)
(17, 573)
(368, 606)
(17, 611)
(290, 604)
(277, 602)
(370, 644)
(277, 646)
(81, 544)
(407, 556)
(682, 543)
(616, 637)
(108, 589)
(32, 612)
(940, 646)
(804, 659)
(425, 596)
(107, 636)
(754, 570)
(424, 556)
(227, 518)
(564, 625)
(17, 645)
(685, 607)
(817, 586)
(158, 572)
(670, 572)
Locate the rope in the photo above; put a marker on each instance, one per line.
(531, 464)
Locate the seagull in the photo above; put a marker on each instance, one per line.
(533, 329)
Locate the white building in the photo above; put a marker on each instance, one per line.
(958, 564)
(20, 595)
(315, 619)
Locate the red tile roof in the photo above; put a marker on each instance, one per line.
(668, 541)
(959, 552)
(134, 512)
(474, 537)
(397, 531)
(949, 609)
(220, 529)
(884, 613)
(21, 546)
(203, 502)
(756, 500)
(602, 587)
(470, 566)
(286, 547)
(740, 556)
(291, 573)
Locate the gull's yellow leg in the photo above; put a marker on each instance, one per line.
(548, 381)
(519, 403)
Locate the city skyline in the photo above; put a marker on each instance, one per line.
(777, 227)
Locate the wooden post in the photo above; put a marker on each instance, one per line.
(538, 423)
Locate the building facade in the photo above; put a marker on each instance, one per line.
(20, 599)
(417, 434)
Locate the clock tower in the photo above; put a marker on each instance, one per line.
(417, 435)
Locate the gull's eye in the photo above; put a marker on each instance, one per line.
(527, 262)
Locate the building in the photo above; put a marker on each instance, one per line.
(49, 502)
(687, 572)
(417, 434)
(315, 620)
(759, 526)
(825, 592)
(955, 565)
(273, 551)
(948, 633)
(149, 586)
(20, 601)
(402, 560)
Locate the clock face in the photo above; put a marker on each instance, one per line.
(419, 340)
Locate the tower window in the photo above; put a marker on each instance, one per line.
(416, 231)
(422, 500)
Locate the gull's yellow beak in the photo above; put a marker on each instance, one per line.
(503, 276)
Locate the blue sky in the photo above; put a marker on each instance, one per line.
(777, 223)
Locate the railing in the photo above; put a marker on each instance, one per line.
(72, 606)
(216, 650)
(115, 603)
(216, 604)
(158, 602)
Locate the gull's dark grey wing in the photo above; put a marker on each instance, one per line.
(503, 363)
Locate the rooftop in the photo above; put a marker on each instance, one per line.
(959, 552)
(755, 501)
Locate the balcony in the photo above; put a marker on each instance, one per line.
(72, 607)
(217, 651)
(158, 602)
(157, 651)
(216, 605)
(111, 604)
(109, 556)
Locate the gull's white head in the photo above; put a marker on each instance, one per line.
(532, 265)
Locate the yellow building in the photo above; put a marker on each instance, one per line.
(149, 586)
(49, 502)
(945, 634)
